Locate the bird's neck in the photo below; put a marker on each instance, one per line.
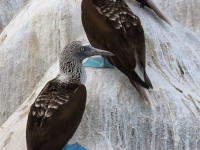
(71, 71)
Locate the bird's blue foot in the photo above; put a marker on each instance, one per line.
(97, 62)
(73, 147)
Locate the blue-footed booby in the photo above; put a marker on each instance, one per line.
(57, 111)
(111, 25)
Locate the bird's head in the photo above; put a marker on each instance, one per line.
(79, 51)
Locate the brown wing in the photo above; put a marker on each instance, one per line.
(55, 116)
(128, 25)
(117, 29)
(120, 16)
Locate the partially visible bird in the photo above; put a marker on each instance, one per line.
(151, 5)
(57, 111)
(111, 25)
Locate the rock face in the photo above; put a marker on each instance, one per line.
(30, 44)
(184, 11)
(36, 35)
(8, 9)
(115, 118)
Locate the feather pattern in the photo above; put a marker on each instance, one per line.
(58, 109)
(120, 16)
(55, 105)
(111, 25)
(51, 99)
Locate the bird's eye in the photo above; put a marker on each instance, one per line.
(82, 49)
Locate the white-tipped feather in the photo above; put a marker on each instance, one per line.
(143, 93)
(138, 68)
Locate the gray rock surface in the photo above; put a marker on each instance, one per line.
(184, 11)
(187, 12)
(9, 8)
(115, 118)
(36, 35)
(30, 44)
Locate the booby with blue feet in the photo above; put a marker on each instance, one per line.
(57, 111)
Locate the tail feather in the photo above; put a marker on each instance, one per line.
(139, 76)
(134, 77)
(143, 93)
(147, 80)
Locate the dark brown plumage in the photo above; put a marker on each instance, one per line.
(55, 115)
(111, 25)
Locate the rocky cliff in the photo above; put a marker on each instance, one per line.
(115, 117)
(24, 40)
(9, 8)
(183, 11)
(30, 44)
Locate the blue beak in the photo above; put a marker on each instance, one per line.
(91, 51)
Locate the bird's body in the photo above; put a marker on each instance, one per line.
(111, 25)
(58, 109)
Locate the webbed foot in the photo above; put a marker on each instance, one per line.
(97, 62)
(73, 147)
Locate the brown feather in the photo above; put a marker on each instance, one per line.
(112, 26)
(55, 115)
